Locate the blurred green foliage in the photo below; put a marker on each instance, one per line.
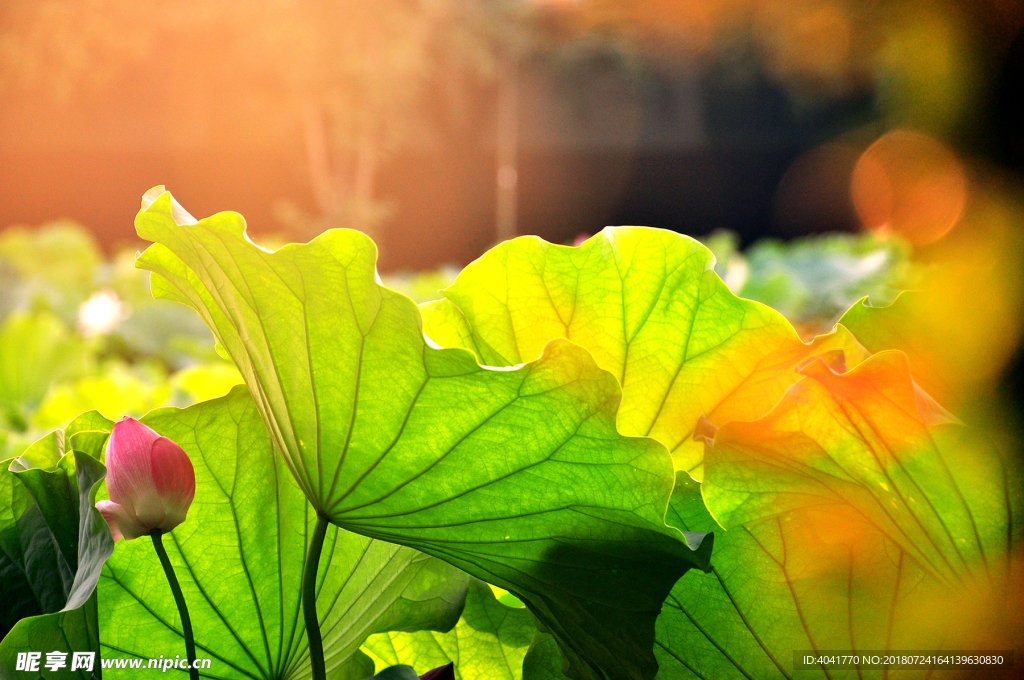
(422, 286)
(813, 280)
(53, 267)
(80, 331)
(36, 350)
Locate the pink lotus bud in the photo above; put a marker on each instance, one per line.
(150, 481)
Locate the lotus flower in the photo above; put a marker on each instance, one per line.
(150, 481)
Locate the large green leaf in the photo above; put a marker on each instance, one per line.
(239, 558)
(66, 631)
(517, 476)
(397, 673)
(53, 543)
(542, 660)
(650, 308)
(859, 518)
(488, 643)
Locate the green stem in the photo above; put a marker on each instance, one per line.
(179, 599)
(316, 643)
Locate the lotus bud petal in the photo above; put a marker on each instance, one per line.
(150, 481)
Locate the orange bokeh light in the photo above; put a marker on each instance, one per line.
(910, 184)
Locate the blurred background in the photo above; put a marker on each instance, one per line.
(825, 150)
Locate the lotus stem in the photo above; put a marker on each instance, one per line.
(316, 643)
(179, 599)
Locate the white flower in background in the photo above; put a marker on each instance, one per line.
(100, 314)
(736, 274)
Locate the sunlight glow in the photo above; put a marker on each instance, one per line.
(100, 314)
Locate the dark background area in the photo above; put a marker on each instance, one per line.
(709, 151)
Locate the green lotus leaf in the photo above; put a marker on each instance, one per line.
(239, 559)
(860, 517)
(650, 308)
(543, 662)
(517, 476)
(358, 667)
(66, 632)
(53, 543)
(489, 641)
(397, 673)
